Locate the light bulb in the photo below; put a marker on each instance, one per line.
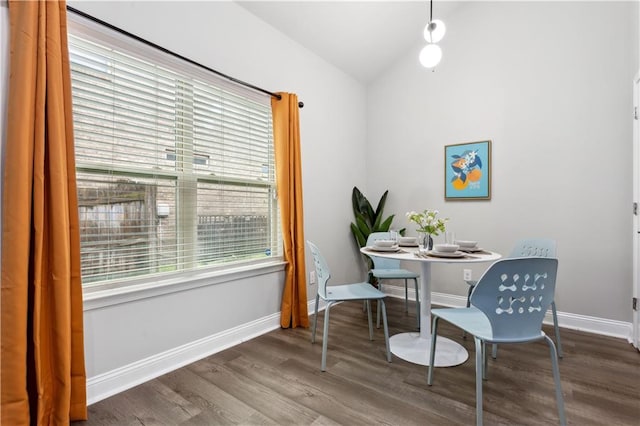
(430, 55)
(434, 31)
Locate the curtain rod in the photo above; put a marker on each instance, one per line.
(162, 49)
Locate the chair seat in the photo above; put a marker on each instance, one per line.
(474, 321)
(393, 273)
(355, 291)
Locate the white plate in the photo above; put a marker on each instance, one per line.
(392, 248)
(384, 243)
(471, 250)
(454, 254)
(409, 245)
(466, 243)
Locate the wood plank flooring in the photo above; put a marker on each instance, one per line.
(275, 379)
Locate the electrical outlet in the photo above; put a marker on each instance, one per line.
(466, 274)
(312, 277)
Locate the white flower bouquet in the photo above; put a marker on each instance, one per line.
(427, 221)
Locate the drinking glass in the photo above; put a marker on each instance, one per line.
(449, 237)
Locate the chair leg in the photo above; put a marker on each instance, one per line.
(464, 333)
(479, 363)
(325, 336)
(556, 379)
(406, 297)
(415, 283)
(556, 328)
(386, 328)
(432, 354)
(484, 360)
(378, 309)
(315, 320)
(369, 318)
(494, 351)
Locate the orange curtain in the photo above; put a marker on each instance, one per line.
(286, 133)
(42, 372)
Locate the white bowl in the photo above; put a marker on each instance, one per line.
(467, 244)
(384, 243)
(408, 240)
(446, 248)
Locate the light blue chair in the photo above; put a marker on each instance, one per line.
(541, 247)
(508, 305)
(389, 269)
(340, 293)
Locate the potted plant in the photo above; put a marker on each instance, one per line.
(368, 220)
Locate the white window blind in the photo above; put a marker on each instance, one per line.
(175, 167)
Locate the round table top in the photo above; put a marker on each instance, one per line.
(416, 254)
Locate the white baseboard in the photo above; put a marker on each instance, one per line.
(112, 382)
(115, 381)
(584, 323)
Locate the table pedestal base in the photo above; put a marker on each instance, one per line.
(414, 348)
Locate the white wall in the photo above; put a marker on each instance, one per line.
(550, 85)
(225, 37)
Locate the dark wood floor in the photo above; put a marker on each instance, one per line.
(275, 379)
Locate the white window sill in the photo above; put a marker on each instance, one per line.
(124, 292)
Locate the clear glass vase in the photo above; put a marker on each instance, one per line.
(427, 241)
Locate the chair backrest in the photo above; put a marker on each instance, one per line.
(515, 293)
(540, 247)
(322, 269)
(382, 262)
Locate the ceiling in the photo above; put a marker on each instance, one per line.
(362, 38)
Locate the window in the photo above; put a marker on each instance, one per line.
(175, 165)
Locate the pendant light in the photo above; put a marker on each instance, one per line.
(434, 31)
(430, 55)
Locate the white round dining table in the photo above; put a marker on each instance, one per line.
(416, 347)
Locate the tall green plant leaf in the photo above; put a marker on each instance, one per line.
(384, 226)
(376, 225)
(363, 226)
(359, 236)
(361, 205)
(381, 203)
(356, 197)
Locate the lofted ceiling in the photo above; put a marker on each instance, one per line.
(362, 38)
